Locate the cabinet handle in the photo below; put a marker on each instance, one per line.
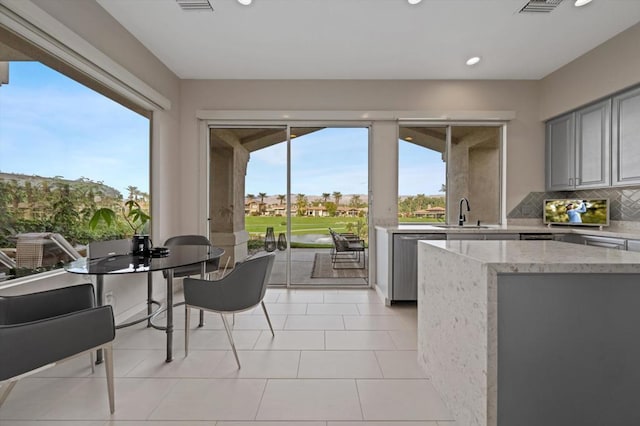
(577, 181)
(570, 181)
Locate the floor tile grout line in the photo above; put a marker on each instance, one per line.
(375, 354)
(299, 363)
(359, 400)
(264, 390)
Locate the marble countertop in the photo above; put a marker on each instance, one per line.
(506, 229)
(540, 256)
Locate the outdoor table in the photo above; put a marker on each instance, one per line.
(183, 255)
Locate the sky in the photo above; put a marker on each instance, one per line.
(52, 126)
(335, 159)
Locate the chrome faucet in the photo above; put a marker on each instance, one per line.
(461, 217)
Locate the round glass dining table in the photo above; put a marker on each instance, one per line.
(183, 255)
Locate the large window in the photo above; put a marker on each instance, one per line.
(65, 151)
(422, 174)
(440, 165)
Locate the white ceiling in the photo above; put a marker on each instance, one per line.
(370, 39)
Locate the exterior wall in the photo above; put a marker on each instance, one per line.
(610, 67)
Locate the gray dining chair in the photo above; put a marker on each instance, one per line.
(242, 289)
(98, 249)
(191, 240)
(189, 270)
(40, 330)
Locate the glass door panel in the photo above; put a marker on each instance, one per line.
(328, 190)
(247, 193)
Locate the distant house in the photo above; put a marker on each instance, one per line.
(254, 208)
(279, 210)
(431, 212)
(317, 211)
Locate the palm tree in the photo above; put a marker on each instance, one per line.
(262, 195)
(251, 198)
(355, 201)
(301, 202)
(325, 197)
(337, 195)
(281, 198)
(133, 192)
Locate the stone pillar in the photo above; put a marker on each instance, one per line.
(226, 195)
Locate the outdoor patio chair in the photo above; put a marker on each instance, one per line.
(347, 248)
(39, 330)
(240, 290)
(38, 249)
(6, 260)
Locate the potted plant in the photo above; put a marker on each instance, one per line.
(135, 217)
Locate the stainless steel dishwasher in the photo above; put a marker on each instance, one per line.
(404, 286)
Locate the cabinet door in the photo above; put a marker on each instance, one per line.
(626, 138)
(560, 153)
(593, 145)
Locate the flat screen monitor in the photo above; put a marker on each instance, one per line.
(570, 211)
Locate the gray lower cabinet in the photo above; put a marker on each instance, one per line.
(404, 285)
(606, 242)
(488, 236)
(626, 138)
(633, 245)
(458, 236)
(597, 241)
(501, 236)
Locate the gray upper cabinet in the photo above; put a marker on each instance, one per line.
(560, 153)
(593, 142)
(626, 138)
(578, 147)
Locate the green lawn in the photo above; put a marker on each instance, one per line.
(257, 225)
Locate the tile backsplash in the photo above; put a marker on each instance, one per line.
(624, 202)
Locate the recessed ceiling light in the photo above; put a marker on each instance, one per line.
(245, 2)
(414, 1)
(474, 60)
(579, 3)
(408, 138)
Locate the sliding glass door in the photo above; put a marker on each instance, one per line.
(281, 189)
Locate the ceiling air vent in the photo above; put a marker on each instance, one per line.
(195, 5)
(537, 6)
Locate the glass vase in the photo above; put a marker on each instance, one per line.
(282, 241)
(270, 240)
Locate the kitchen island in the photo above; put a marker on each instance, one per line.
(531, 332)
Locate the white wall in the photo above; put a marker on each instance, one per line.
(610, 67)
(525, 169)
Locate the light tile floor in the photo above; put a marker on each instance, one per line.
(339, 358)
